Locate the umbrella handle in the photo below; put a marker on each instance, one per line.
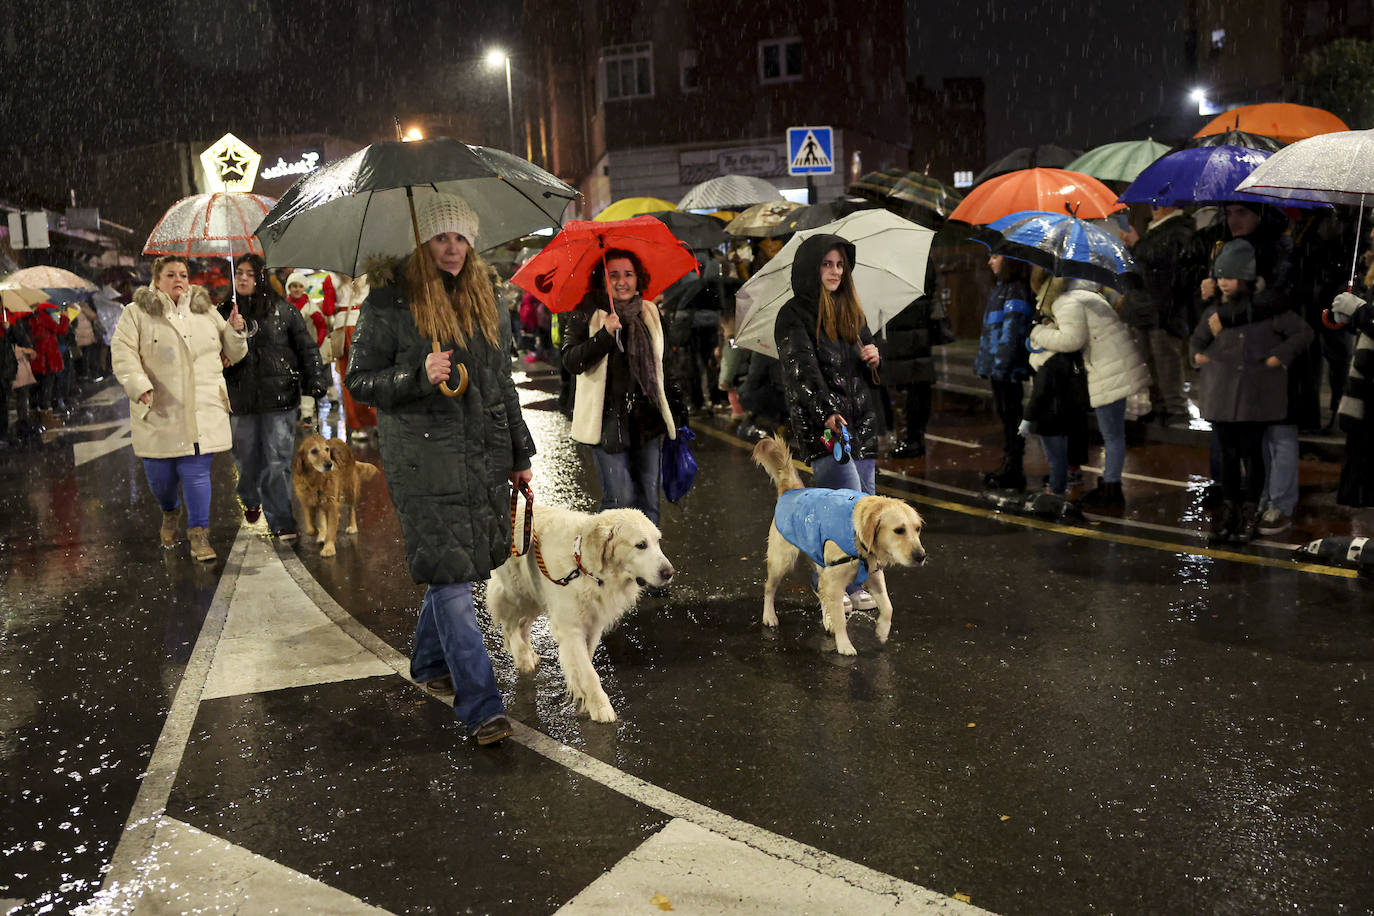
(462, 378)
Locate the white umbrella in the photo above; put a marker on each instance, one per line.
(729, 191)
(1333, 168)
(890, 271)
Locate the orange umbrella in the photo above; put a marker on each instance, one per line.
(1054, 190)
(1280, 120)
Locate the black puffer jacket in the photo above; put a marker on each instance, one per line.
(905, 345)
(447, 460)
(1172, 265)
(822, 376)
(283, 360)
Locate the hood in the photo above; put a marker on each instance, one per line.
(806, 264)
(146, 298)
(383, 271)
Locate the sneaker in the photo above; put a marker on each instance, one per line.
(286, 534)
(862, 600)
(251, 514)
(845, 600)
(1274, 521)
(358, 435)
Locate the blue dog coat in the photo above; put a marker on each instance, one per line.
(810, 516)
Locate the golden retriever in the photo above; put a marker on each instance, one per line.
(325, 474)
(885, 532)
(610, 557)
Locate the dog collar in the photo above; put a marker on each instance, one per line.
(578, 570)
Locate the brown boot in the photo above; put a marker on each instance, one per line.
(168, 534)
(49, 419)
(200, 544)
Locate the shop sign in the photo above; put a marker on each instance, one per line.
(696, 166)
(230, 165)
(306, 162)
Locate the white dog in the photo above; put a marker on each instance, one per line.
(595, 566)
(882, 531)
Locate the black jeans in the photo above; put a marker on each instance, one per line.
(1242, 460)
(1007, 398)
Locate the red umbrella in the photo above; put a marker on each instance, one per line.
(561, 274)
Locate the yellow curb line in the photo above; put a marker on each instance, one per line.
(1076, 531)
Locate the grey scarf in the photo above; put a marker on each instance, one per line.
(639, 346)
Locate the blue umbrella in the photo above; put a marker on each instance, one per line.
(1204, 175)
(1062, 244)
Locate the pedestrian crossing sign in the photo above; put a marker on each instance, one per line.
(810, 151)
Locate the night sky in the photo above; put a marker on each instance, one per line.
(100, 74)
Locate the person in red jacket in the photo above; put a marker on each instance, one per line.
(47, 323)
(316, 313)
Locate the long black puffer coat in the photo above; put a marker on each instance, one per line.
(447, 460)
(822, 376)
(283, 359)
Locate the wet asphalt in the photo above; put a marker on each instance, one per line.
(1060, 722)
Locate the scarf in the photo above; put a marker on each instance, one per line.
(639, 346)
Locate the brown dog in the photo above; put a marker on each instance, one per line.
(325, 474)
(884, 531)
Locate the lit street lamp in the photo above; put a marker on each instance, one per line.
(496, 58)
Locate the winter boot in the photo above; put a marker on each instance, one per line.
(1105, 495)
(168, 533)
(1248, 529)
(1231, 521)
(200, 544)
(914, 448)
(1009, 476)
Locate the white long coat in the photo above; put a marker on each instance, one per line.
(1084, 320)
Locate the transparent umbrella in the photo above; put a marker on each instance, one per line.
(729, 191)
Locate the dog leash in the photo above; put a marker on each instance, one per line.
(578, 569)
(530, 540)
(516, 491)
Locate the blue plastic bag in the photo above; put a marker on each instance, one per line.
(679, 464)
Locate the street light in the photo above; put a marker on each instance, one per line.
(496, 58)
(412, 135)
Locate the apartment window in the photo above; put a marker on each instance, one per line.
(780, 60)
(1218, 41)
(689, 73)
(627, 71)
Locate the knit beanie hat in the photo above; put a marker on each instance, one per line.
(1235, 261)
(298, 277)
(447, 213)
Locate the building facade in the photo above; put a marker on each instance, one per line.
(631, 98)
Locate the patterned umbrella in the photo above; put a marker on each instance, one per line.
(218, 225)
(909, 191)
(763, 221)
(1237, 138)
(1052, 190)
(729, 191)
(1062, 244)
(1118, 161)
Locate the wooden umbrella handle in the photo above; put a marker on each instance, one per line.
(462, 378)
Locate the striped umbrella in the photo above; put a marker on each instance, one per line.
(914, 189)
(1118, 161)
(217, 225)
(729, 191)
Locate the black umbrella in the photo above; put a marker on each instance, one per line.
(817, 215)
(342, 215)
(1046, 155)
(700, 231)
(1236, 138)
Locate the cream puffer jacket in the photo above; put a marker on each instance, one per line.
(1084, 320)
(173, 350)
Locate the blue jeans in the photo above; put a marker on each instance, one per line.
(856, 474)
(189, 472)
(1111, 422)
(262, 451)
(1281, 467)
(629, 480)
(449, 641)
(1056, 450)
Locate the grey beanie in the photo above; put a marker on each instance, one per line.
(1235, 261)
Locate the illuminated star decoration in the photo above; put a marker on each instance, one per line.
(230, 165)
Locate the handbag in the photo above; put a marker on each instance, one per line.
(679, 465)
(24, 377)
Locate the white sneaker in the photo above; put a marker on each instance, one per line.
(1274, 521)
(863, 601)
(845, 602)
(358, 435)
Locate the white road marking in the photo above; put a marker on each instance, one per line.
(121, 437)
(960, 442)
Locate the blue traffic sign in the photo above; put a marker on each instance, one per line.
(810, 151)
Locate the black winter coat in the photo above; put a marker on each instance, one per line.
(447, 460)
(906, 342)
(1172, 265)
(9, 363)
(1059, 402)
(822, 376)
(283, 359)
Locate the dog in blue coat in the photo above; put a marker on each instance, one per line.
(849, 536)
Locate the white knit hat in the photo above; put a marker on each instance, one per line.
(447, 213)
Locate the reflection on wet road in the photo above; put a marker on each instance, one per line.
(1061, 720)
